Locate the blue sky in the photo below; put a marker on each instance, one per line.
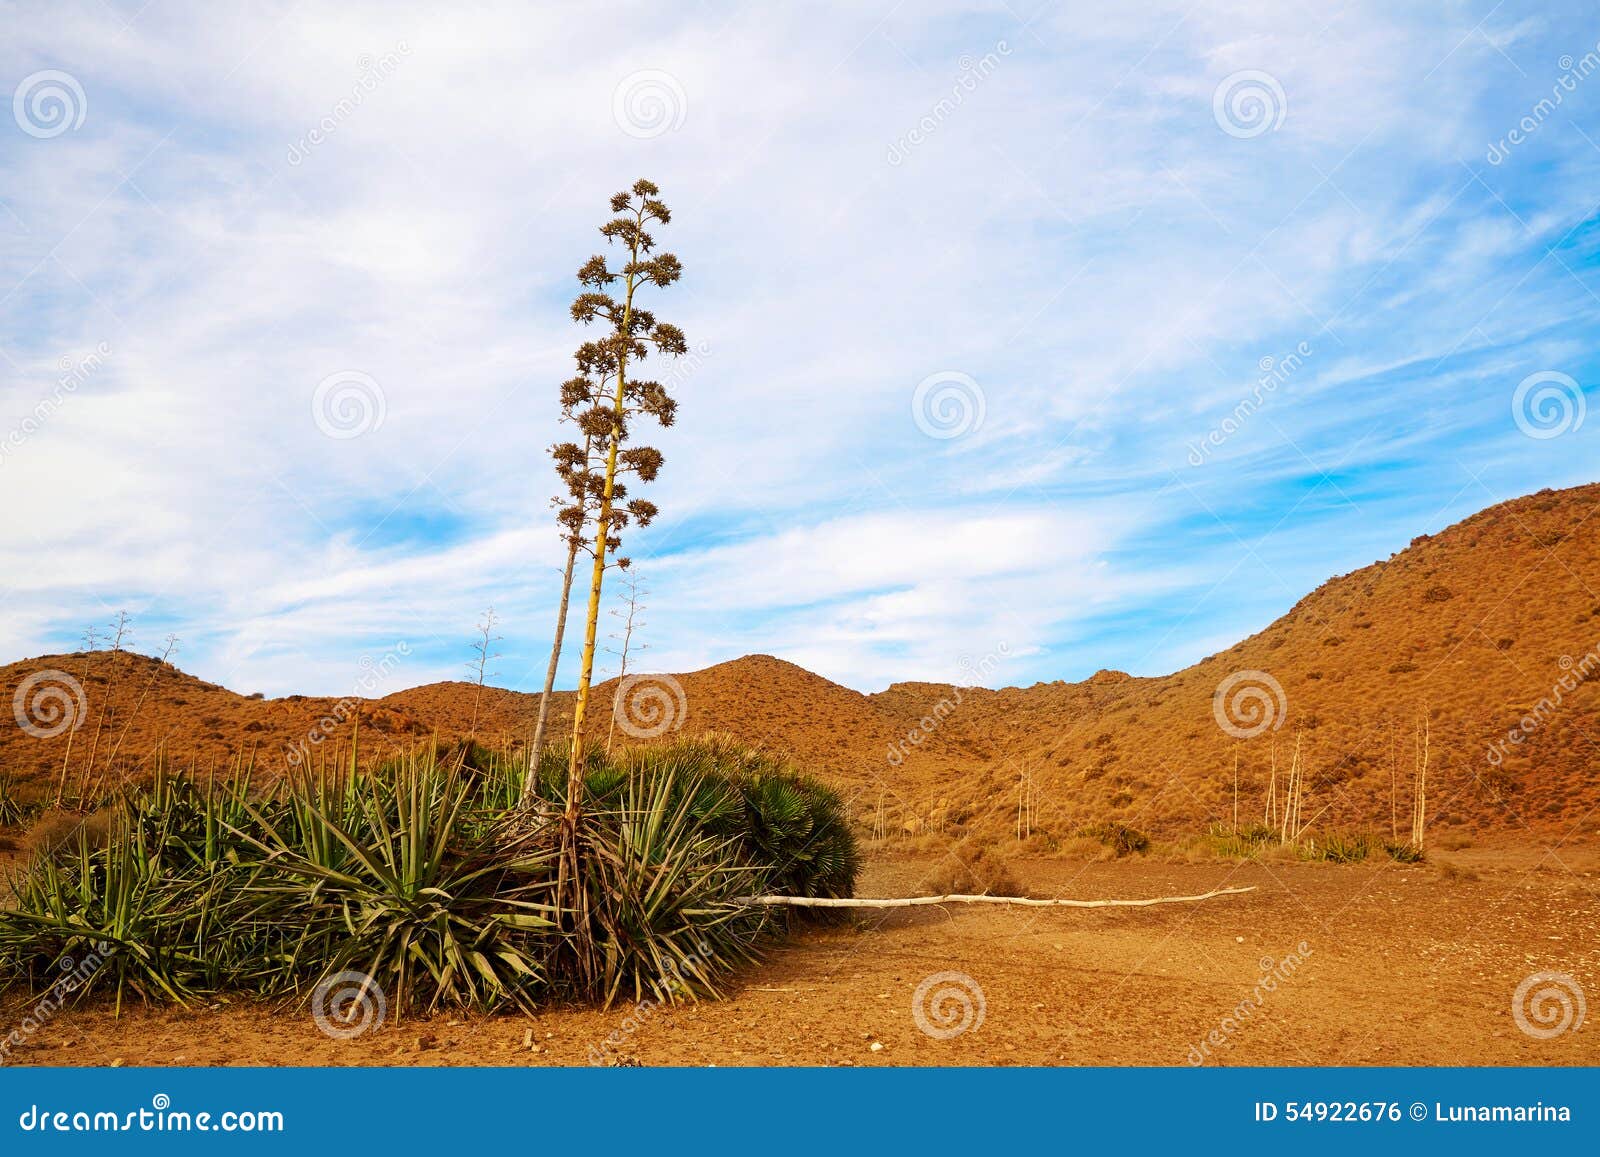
(984, 301)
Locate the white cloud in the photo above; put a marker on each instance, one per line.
(1079, 236)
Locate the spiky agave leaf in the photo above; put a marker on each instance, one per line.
(661, 895)
(431, 919)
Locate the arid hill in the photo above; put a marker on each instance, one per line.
(1489, 626)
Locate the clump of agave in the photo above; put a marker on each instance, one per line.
(435, 876)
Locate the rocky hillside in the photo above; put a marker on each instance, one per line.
(1481, 642)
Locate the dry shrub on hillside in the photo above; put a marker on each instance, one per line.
(973, 868)
(55, 829)
(1456, 873)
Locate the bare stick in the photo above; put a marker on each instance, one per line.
(923, 901)
(1271, 817)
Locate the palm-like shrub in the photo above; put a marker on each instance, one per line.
(430, 876)
(662, 897)
(789, 826)
(378, 877)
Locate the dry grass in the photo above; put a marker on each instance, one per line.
(1454, 872)
(973, 868)
(55, 829)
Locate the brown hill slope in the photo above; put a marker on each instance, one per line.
(1471, 630)
(1488, 622)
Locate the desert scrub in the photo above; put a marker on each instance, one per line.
(1341, 847)
(429, 875)
(1402, 852)
(1119, 838)
(972, 868)
(12, 812)
(1245, 843)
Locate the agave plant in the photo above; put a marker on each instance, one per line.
(126, 897)
(662, 897)
(378, 879)
(787, 824)
(431, 876)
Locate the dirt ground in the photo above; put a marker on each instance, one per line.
(1322, 964)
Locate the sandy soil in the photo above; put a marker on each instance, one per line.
(1399, 965)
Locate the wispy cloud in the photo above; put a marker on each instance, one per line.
(1080, 236)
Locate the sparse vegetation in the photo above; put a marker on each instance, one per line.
(1342, 847)
(973, 868)
(12, 812)
(1403, 853)
(1454, 872)
(1121, 839)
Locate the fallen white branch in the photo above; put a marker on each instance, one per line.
(920, 901)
